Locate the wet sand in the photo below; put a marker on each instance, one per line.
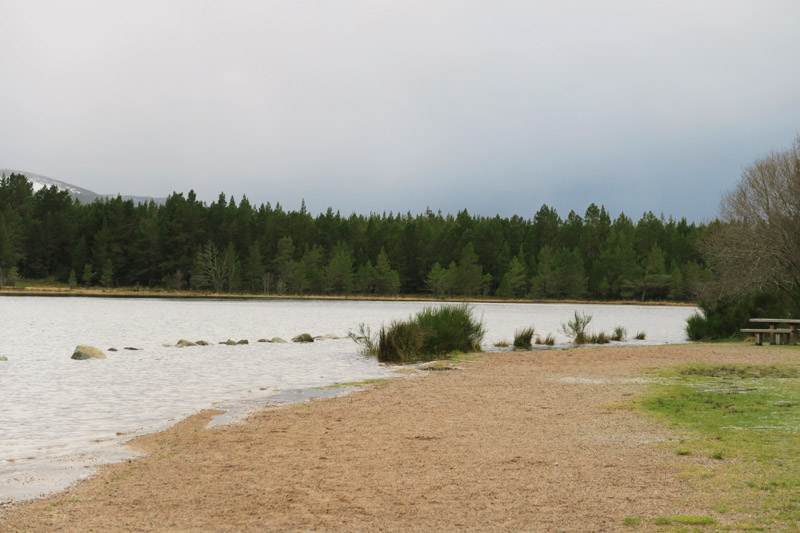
(512, 441)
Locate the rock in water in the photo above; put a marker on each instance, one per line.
(83, 352)
(303, 337)
(201, 343)
(3, 358)
(243, 341)
(278, 340)
(184, 343)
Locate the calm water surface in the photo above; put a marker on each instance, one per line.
(62, 417)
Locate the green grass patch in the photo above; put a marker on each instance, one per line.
(748, 416)
(347, 384)
(631, 521)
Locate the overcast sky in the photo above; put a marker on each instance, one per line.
(497, 106)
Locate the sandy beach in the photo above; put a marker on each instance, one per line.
(517, 441)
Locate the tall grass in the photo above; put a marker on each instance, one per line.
(522, 339)
(430, 334)
(576, 328)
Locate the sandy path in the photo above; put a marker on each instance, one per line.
(514, 441)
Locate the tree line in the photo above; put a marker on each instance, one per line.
(230, 246)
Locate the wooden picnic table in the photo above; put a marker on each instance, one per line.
(776, 335)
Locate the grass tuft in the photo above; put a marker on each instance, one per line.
(576, 328)
(430, 334)
(522, 339)
(619, 334)
(640, 336)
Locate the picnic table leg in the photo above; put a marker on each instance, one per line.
(793, 335)
(772, 335)
(759, 339)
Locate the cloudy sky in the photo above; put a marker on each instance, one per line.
(377, 105)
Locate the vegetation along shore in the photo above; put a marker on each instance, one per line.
(611, 439)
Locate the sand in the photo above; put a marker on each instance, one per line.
(525, 441)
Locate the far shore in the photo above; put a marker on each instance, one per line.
(131, 292)
(512, 441)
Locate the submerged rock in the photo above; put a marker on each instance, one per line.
(201, 343)
(243, 341)
(3, 358)
(83, 352)
(229, 342)
(112, 349)
(328, 337)
(303, 337)
(278, 340)
(131, 348)
(183, 343)
(264, 340)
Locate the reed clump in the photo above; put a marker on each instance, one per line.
(432, 333)
(522, 339)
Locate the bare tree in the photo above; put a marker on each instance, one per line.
(757, 243)
(212, 268)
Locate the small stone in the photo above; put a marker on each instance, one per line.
(112, 349)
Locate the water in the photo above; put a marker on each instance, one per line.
(60, 417)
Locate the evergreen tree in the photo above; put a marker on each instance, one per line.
(88, 275)
(339, 271)
(387, 281)
(107, 275)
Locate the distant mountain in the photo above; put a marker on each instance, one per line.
(85, 196)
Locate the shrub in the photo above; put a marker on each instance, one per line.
(723, 318)
(522, 339)
(619, 334)
(640, 336)
(430, 334)
(576, 328)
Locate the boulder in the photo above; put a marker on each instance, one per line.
(112, 349)
(183, 343)
(243, 341)
(201, 343)
(303, 337)
(3, 358)
(278, 340)
(229, 342)
(328, 337)
(83, 352)
(264, 340)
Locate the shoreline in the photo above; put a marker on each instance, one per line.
(511, 440)
(189, 295)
